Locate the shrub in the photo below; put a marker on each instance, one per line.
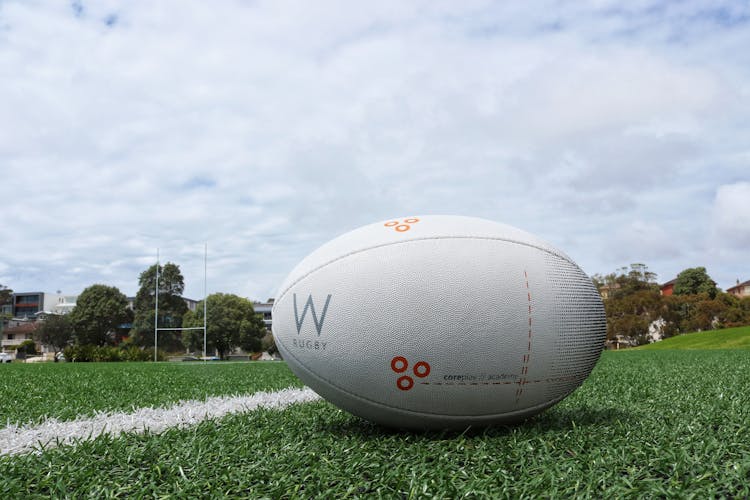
(79, 353)
(86, 353)
(27, 347)
(134, 353)
(107, 353)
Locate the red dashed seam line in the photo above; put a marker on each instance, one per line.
(519, 382)
(527, 356)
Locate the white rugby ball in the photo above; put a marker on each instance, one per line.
(439, 322)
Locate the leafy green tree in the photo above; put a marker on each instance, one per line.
(26, 348)
(632, 303)
(99, 311)
(172, 307)
(699, 312)
(694, 281)
(626, 281)
(631, 314)
(231, 322)
(737, 312)
(55, 331)
(268, 343)
(5, 295)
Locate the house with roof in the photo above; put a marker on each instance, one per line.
(667, 288)
(606, 291)
(619, 342)
(740, 289)
(16, 332)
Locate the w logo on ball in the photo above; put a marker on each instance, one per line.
(311, 306)
(399, 364)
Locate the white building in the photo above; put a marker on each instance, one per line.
(65, 304)
(265, 308)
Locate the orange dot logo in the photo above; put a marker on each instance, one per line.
(400, 226)
(421, 369)
(400, 364)
(405, 383)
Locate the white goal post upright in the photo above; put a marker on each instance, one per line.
(156, 309)
(205, 296)
(205, 305)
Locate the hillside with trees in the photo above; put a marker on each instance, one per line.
(636, 310)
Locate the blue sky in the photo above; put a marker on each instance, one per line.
(618, 132)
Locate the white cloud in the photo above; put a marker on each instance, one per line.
(642, 241)
(267, 128)
(732, 215)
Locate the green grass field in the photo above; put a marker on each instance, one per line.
(645, 424)
(728, 338)
(32, 392)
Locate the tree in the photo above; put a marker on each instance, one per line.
(630, 315)
(737, 311)
(632, 303)
(5, 295)
(628, 281)
(694, 281)
(55, 331)
(99, 311)
(231, 322)
(172, 307)
(698, 312)
(26, 348)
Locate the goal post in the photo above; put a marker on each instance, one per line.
(158, 329)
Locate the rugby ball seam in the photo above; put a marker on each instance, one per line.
(426, 238)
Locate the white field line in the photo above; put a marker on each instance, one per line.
(15, 440)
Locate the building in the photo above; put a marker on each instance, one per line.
(29, 304)
(16, 332)
(65, 304)
(740, 289)
(619, 342)
(191, 304)
(265, 309)
(667, 288)
(25, 309)
(607, 290)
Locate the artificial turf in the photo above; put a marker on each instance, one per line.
(32, 392)
(645, 424)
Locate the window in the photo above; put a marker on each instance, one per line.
(27, 299)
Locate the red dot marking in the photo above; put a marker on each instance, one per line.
(405, 383)
(399, 364)
(422, 369)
